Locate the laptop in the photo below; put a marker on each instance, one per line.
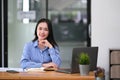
(74, 68)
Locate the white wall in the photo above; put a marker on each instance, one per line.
(105, 22)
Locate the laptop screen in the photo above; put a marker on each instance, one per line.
(91, 51)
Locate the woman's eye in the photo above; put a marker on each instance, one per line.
(46, 29)
(40, 28)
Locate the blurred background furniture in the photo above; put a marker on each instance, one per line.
(114, 64)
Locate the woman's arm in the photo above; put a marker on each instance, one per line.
(54, 54)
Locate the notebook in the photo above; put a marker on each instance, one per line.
(74, 68)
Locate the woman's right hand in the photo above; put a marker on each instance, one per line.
(45, 43)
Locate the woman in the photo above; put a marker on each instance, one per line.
(42, 51)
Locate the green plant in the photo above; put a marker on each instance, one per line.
(84, 59)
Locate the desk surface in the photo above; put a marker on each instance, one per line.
(48, 75)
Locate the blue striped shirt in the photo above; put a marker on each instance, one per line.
(34, 57)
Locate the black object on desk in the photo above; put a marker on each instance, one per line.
(12, 71)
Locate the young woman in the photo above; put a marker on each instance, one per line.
(42, 51)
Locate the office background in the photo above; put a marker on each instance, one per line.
(67, 26)
(105, 30)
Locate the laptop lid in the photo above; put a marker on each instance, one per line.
(91, 51)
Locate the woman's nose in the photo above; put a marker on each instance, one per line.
(42, 31)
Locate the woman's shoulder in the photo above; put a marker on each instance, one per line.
(56, 47)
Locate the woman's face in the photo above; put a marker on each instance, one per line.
(42, 31)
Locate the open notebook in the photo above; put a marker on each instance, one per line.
(74, 68)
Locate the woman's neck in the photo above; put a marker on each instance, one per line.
(41, 46)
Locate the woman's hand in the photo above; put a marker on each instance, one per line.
(45, 43)
(50, 65)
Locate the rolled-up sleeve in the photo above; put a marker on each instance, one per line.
(55, 55)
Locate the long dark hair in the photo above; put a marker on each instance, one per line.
(50, 37)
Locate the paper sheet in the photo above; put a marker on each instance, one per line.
(3, 69)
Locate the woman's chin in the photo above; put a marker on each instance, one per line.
(41, 38)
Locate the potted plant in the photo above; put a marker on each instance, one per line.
(84, 61)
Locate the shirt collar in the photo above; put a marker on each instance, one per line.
(35, 43)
